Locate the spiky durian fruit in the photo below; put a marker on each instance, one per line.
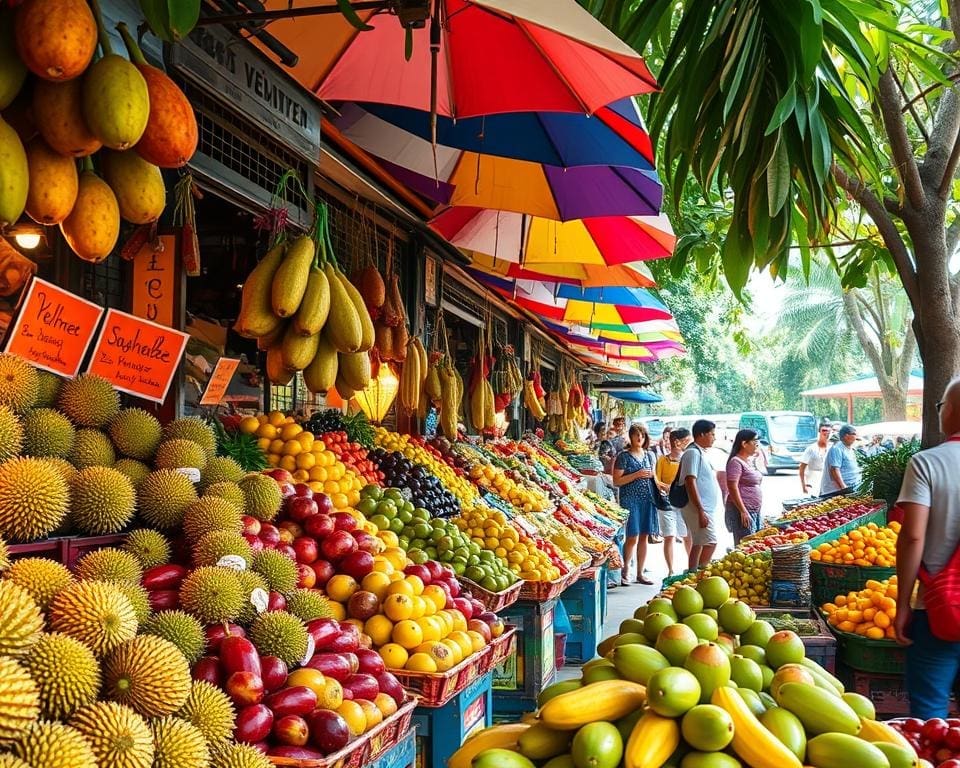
(48, 389)
(139, 598)
(210, 710)
(221, 469)
(12, 761)
(148, 546)
(88, 400)
(48, 745)
(249, 581)
(149, 674)
(279, 570)
(135, 470)
(177, 453)
(47, 432)
(195, 429)
(262, 497)
(20, 620)
(19, 383)
(64, 467)
(92, 448)
(181, 629)
(120, 738)
(163, 497)
(4, 556)
(277, 633)
(217, 544)
(11, 433)
(41, 577)
(94, 612)
(34, 499)
(109, 564)
(102, 500)
(308, 604)
(238, 756)
(178, 744)
(67, 675)
(19, 700)
(231, 492)
(212, 594)
(210, 513)
(135, 433)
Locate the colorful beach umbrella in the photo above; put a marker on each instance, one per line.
(459, 177)
(634, 275)
(531, 240)
(494, 56)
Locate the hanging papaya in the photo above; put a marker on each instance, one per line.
(353, 368)
(256, 318)
(315, 306)
(137, 184)
(55, 38)
(343, 389)
(363, 314)
(371, 286)
(53, 183)
(272, 339)
(14, 175)
(290, 281)
(93, 226)
(116, 103)
(277, 372)
(321, 374)
(58, 113)
(342, 328)
(298, 351)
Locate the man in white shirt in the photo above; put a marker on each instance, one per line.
(703, 492)
(811, 462)
(930, 533)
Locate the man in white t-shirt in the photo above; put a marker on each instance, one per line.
(930, 533)
(811, 462)
(703, 493)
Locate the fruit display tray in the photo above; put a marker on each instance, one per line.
(540, 591)
(365, 749)
(493, 601)
(500, 648)
(437, 688)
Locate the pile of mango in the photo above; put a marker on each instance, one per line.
(696, 681)
(869, 612)
(868, 545)
(747, 574)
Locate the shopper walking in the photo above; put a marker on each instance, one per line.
(619, 434)
(703, 493)
(664, 446)
(812, 460)
(744, 497)
(672, 526)
(633, 475)
(929, 536)
(840, 468)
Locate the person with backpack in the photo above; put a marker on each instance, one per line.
(672, 526)
(702, 495)
(633, 475)
(928, 550)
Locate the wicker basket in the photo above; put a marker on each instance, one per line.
(435, 689)
(364, 749)
(493, 601)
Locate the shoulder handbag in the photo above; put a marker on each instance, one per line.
(941, 597)
(660, 501)
(678, 490)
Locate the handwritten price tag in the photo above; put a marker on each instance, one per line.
(53, 329)
(219, 381)
(136, 356)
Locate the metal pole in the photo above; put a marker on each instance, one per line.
(291, 13)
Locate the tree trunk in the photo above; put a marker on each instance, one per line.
(894, 402)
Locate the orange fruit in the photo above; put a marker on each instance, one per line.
(416, 583)
(454, 649)
(435, 595)
(288, 463)
(458, 621)
(332, 695)
(249, 425)
(429, 628)
(340, 500)
(276, 418)
(310, 678)
(382, 565)
(379, 628)
(462, 639)
(421, 662)
(402, 587)
(376, 582)
(341, 587)
(442, 656)
(290, 431)
(398, 607)
(353, 713)
(371, 711)
(267, 430)
(394, 656)
(385, 704)
(407, 633)
(305, 461)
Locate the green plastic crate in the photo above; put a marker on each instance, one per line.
(827, 580)
(882, 657)
(878, 516)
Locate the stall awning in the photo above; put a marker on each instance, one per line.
(864, 386)
(633, 392)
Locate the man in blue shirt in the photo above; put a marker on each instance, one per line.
(841, 470)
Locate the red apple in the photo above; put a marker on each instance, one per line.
(337, 545)
(934, 730)
(421, 572)
(333, 665)
(208, 669)
(367, 542)
(324, 504)
(253, 724)
(303, 490)
(356, 564)
(237, 654)
(464, 606)
(953, 762)
(244, 688)
(269, 535)
(363, 686)
(477, 625)
(251, 525)
(284, 548)
(343, 521)
(276, 602)
(306, 576)
(371, 663)
(279, 474)
(435, 569)
(255, 542)
(291, 729)
(296, 700)
(306, 549)
(319, 526)
(274, 673)
(324, 570)
(300, 508)
(217, 632)
(329, 732)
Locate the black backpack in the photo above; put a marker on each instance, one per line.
(678, 490)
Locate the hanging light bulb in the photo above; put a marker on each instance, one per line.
(375, 400)
(27, 240)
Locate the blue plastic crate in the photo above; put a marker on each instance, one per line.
(604, 593)
(403, 755)
(583, 603)
(520, 678)
(441, 730)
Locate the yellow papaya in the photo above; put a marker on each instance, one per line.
(321, 374)
(315, 306)
(298, 351)
(342, 328)
(363, 314)
(354, 368)
(290, 281)
(256, 316)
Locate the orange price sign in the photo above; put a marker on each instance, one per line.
(136, 356)
(53, 329)
(219, 381)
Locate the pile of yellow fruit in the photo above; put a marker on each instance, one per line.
(489, 529)
(869, 612)
(747, 574)
(523, 497)
(406, 621)
(289, 446)
(867, 545)
(460, 487)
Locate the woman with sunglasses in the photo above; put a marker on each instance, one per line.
(811, 462)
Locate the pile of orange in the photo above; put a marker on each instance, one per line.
(867, 545)
(360, 714)
(869, 612)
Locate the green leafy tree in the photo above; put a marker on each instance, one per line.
(785, 110)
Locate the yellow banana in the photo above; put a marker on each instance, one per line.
(606, 700)
(874, 731)
(753, 743)
(652, 740)
(496, 737)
